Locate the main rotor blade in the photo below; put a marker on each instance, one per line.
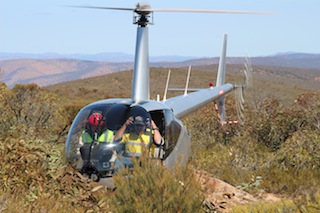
(149, 10)
(106, 8)
(203, 11)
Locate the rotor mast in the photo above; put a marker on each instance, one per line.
(140, 77)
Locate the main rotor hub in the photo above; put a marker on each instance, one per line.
(143, 10)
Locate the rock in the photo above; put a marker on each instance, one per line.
(221, 196)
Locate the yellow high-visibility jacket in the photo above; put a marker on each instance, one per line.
(134, 143)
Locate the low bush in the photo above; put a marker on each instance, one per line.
(29, 112)
(33, 171)
(276, 150)
(151, 187)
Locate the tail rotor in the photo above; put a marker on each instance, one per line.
(239, 93)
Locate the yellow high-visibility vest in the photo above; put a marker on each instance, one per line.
(106, 137)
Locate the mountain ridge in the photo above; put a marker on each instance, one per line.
(46, 72)
(125, 57)
(105, 57)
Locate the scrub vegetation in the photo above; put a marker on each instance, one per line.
(275, 150)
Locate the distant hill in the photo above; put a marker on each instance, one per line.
(295, 60)
(281, 82)
(55, 70)
(106, 57)
(113, 57)
(52, 71)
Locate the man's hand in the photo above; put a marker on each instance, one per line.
(129, 121)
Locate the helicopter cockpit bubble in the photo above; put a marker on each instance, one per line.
(91, 147)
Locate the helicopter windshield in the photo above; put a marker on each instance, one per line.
(94, 144)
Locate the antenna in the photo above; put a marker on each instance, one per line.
(187, 82)
(167, 84)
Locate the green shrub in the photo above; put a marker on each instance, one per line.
(261, 207)
(278, 144)
(33, 171)
(29, 112)
(302, 150)
(23, 164)
(298, 204)
(274, 123)
(153, 188)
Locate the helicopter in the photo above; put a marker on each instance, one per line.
(96, 159)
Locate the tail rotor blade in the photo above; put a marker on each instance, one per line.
(239, 103)
(248, 73)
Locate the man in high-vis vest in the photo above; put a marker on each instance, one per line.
(95, 131)
(140, 137)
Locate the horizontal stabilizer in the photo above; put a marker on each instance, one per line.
(185, 104)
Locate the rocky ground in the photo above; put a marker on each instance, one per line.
(221, 196)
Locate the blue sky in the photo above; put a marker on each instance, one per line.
(36, 26)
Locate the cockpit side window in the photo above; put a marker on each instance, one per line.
(172, 132)
(158, 118)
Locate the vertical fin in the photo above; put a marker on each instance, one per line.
(222, 63)
(221, 80)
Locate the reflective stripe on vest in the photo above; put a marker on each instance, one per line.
(106, 136)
